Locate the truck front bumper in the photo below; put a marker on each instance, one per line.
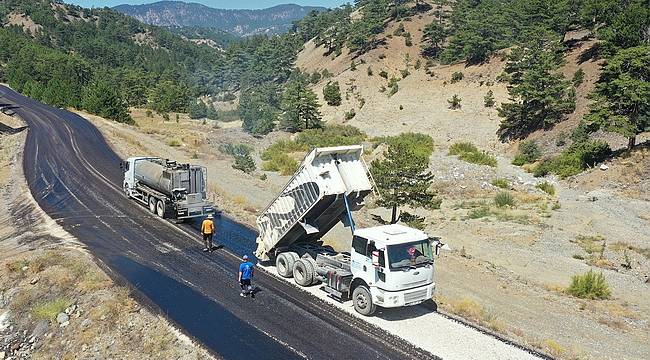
(413, 296)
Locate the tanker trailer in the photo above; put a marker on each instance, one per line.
(169, 189)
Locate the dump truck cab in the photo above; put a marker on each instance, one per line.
(395, 263)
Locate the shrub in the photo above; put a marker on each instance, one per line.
(236, 149)
(353, 66)
(149, 113)
(418, 64)
(488, 99)
(326, 74)
(561, 139)
(244, 163)
(576, 158)
(401, 107)
(578, 77)
(314, 78)
(332, 93)
(350, 114)
(383, 74)
(369, 71)
(462, 147)
(456, 77)
(546, 187)
(501, 183)
(503, 199)
(466, 151)
(48, 310)
(419, 144)
(382, 56)
(478, 213)
(331, 135)
(529, 152)
(405, 73)
(173, 143)
(589, 286)
(454, 102)
(393, 90)
(408, 41)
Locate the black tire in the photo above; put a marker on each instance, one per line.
(363, 301)
(160, 208)
(303, 273)
(284, 265)
(152, 204)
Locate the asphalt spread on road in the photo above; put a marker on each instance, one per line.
(75, 178)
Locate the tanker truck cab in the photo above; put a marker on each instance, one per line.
(391, 266)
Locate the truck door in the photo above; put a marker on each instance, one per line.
(361, 262)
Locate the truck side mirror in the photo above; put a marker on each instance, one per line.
(122, 165)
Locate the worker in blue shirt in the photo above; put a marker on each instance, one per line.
(246, 272)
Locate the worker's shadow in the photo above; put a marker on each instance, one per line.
(408, 312)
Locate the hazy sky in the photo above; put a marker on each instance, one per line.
(222, 4)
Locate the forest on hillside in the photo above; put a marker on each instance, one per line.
(105, 62)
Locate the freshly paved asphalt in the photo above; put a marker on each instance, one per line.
(75, 177)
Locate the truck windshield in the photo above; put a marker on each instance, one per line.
(410, 254)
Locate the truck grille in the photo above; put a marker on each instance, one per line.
(415, 296)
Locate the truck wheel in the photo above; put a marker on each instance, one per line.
(152, 204)
(284, 264)
(126, 191)
(303, 273)
(160, 209)
(363, 301)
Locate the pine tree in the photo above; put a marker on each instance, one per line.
(488, 99)
(622, 95)
(211, 112)
(402, 178)
(300, 107)
(332, 93)
(100, 98)
(258, 108)
(198, 110)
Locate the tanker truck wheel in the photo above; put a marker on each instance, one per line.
(303, 272)
(160, 208)
(363, 301)
(284, 264)
(152, 204)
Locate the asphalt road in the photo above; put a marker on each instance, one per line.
(75, 177)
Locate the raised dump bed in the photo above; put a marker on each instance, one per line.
(314, 200)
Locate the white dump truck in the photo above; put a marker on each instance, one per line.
(169, 189)
(387, 266)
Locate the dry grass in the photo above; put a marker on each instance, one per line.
(591, 244)
(554, 348)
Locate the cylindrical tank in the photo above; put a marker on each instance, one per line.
(154, 175)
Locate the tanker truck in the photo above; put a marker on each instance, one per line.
(169, 189)
(387, 266)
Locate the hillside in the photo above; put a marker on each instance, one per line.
(274, 20)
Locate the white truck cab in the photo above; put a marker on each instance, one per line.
(396, 264)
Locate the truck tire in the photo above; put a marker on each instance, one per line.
(303, 272)
(284, 265)
(152, 204)
(363, 301)
(160, 208)
(127, 192)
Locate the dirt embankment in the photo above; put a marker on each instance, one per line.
(55, 302)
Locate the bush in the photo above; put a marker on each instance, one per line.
(405, 73)
(454, 102)
(546, 187)
(575, 159)
(369, 71)
(331, 135)
(315, 77)
(501, 183)
(456, 77)
(236, 149)
(173, 143)
(478, 213)
(332, 93)
(353, 66)
(244, 163)
(488, 99)
(350, 114)
(468, 152)
(529, 152)
(578, 77)
(393, 90)
(589, 286)
(419, 144)
(503, 199)
(383, 74)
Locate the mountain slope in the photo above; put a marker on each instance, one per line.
(277, 19)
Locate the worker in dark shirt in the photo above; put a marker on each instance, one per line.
(246, 272)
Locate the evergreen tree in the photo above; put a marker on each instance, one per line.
(211, 112)
(488, 99)
(300, 107)
(103, 99)
(622, 95)
(258, 108)
(433, 38)
(402, 178)
(198, 110)
(332, 93)
(539, 95)
(169, 96)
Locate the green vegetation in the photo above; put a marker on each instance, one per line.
(454, 102)
(589, 286)
(576, 158)
(528, 153)
(259, 108)
(281, 156)
(50, 309)
(174, 143)
(456, 77)
(488, 99)
(578, 77)
(300, 107)
(503, 199)
(622, 95)
(546, 187)
(412, 220)
(349, 115)
(242, 155)
(332, 93)
(402, 176)
(466, 151)
(501, 183)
